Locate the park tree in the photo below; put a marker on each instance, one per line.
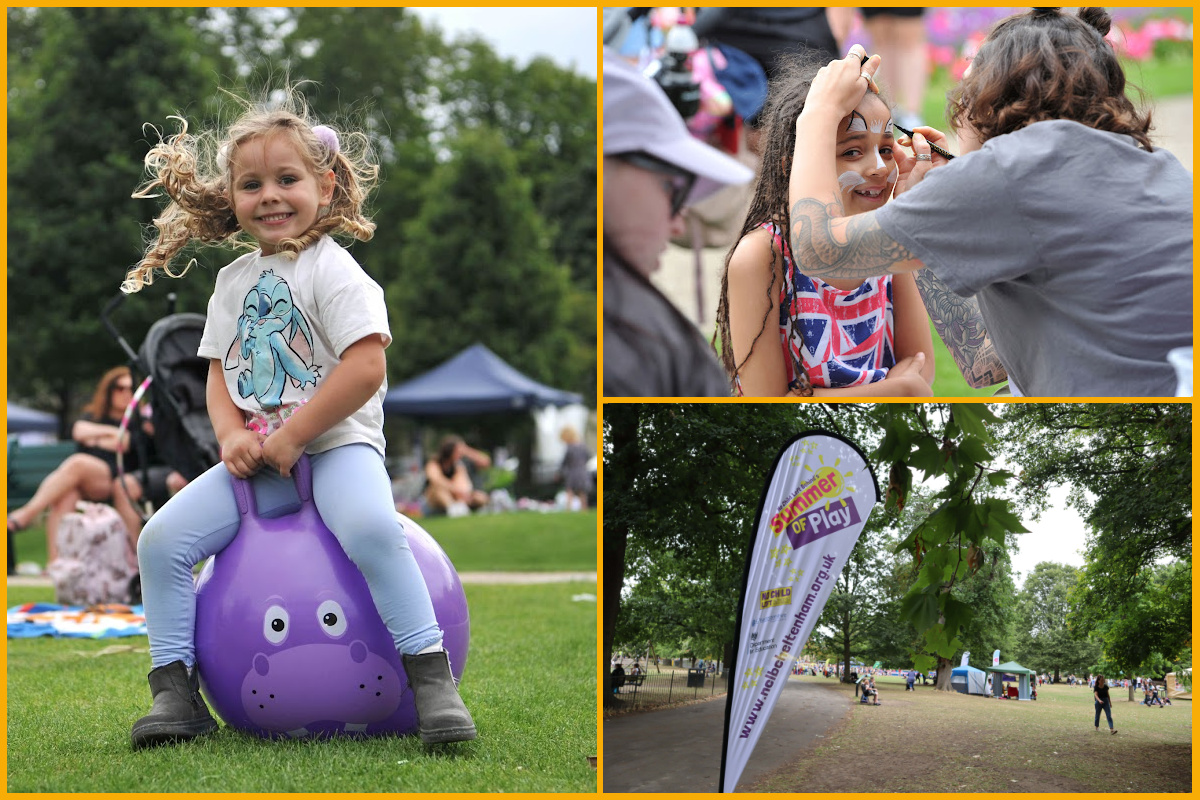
(81, 84)
(854, 610)
(547, 117)
(1129, 466)
(481, 271)
(966, 531)
(1048, 640)
(687, 479)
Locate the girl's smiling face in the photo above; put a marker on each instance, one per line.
(276, 196)
(866, 165)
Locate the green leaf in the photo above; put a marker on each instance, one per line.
(920, 608)
(972, 451)
(970, 417)
(1000, 477)
(999, 514)
(957, 613)
(927, 457)
(886, 448)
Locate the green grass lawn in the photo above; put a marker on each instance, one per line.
(928, 741)
(519, 541)
(530, 683)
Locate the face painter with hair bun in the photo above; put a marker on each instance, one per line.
(785, 332)
(1055, 250)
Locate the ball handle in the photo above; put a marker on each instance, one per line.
(243, 491)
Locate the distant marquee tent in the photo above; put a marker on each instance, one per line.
(476, 381)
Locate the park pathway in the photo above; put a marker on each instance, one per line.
(679, 749)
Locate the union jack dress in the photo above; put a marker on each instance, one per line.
(843, 338)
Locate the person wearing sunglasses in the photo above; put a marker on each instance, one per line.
(87, 474)
(653, 169)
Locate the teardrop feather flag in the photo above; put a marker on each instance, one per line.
(818, 497)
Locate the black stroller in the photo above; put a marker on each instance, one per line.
(175, 376)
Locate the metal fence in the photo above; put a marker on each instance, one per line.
(669, 686)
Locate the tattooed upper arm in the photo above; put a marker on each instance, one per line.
(828, 244)
(958, 322)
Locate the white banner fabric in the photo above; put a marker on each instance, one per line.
(817, 500)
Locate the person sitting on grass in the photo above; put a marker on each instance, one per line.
(448, 485)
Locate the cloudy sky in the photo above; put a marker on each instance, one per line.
(565, 35)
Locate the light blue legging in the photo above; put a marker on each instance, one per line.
(354, 497)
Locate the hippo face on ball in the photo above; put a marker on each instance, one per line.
(315, 668)
(289, 642)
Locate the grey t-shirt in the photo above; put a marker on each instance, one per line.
(1078, 245)
(650, 349)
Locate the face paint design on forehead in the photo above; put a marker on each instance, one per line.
(857, 122)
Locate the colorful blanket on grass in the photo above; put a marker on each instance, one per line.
(96, 622)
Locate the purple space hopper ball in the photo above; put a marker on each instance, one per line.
(288, 640)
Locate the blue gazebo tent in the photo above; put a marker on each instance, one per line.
(1011, 671)
(968, 680)
(22, 420)
(476, 381)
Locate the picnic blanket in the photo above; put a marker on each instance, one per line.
(95, 622)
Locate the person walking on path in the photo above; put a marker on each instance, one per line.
(1103, 702)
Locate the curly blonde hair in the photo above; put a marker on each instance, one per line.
(194, 172)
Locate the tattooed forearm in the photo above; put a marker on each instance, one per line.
(957, 320)
(866, 252)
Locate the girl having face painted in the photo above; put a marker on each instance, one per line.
(783, 332)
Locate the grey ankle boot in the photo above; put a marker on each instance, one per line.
(440, 711)
(178, 712)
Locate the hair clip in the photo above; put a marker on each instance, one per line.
(328, 137)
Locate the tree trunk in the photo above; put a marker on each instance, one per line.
(943, 670)
(1056, 677)
(623, 427)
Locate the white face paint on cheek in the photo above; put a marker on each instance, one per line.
(893, 175)
(848, 180)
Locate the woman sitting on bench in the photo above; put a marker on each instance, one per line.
(90, 473)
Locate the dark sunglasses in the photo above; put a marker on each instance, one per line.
(677, 182)
(122, 387)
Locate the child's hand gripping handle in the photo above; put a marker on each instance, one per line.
(244, 491)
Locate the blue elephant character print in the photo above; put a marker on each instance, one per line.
(272, 334)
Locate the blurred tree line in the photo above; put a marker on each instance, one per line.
(486, 208)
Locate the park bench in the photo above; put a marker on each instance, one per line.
(630, 680)
(28, 466)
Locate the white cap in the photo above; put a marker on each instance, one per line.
(639, 117)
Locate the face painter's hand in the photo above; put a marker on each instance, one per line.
(911, 168)
(841, 85)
